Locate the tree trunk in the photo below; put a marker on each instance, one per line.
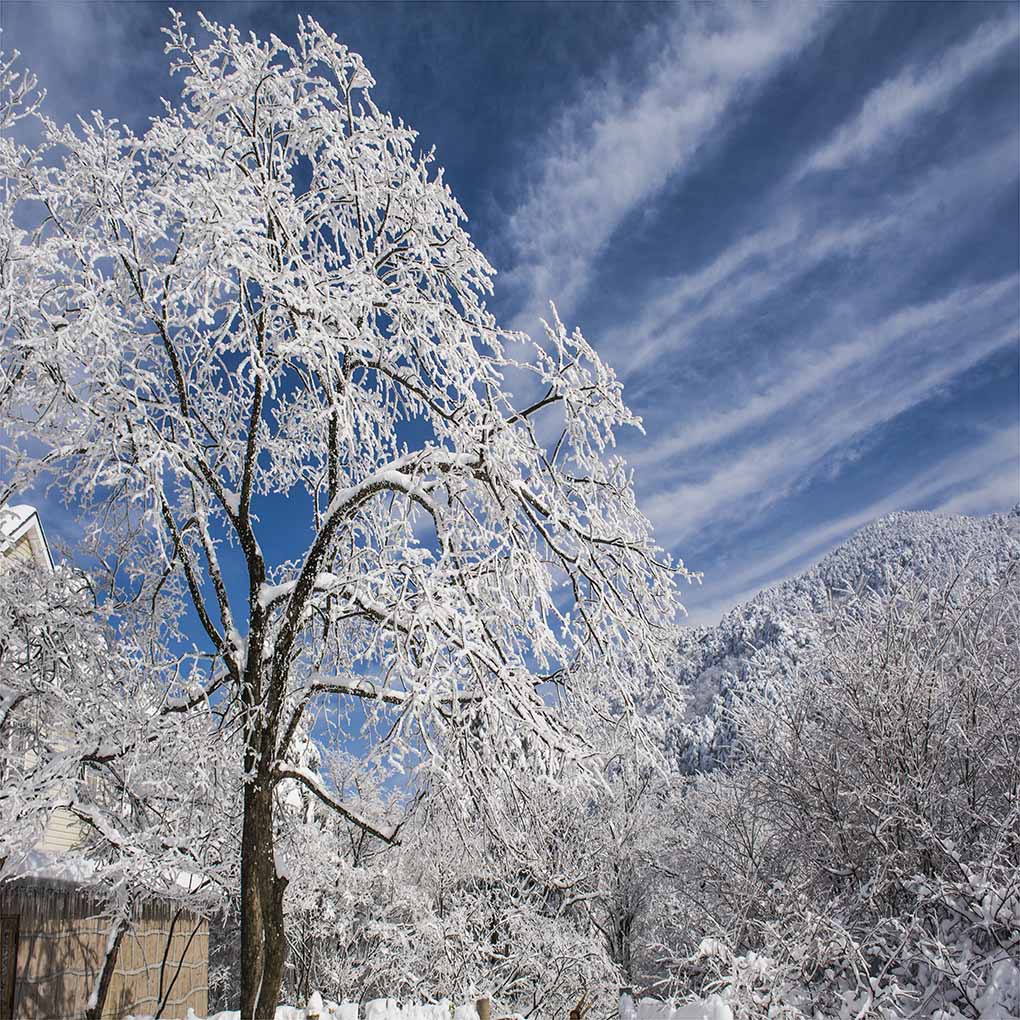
(274, 947)
(97, 1000)
(263, 939)
(251, 908)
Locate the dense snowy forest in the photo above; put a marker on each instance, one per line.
(442, 736)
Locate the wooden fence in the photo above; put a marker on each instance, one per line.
(59, 936)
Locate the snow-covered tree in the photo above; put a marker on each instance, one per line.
(85, 736)
(510, 911)
(595, 852)
(269, 299)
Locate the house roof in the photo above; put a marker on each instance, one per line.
(19, 522)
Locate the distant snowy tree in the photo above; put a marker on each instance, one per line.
(269, 295)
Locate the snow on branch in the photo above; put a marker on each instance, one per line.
(312, 782)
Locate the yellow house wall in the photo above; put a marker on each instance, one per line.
(22, 550)
(63, 832)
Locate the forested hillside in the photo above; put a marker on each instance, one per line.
(764, 641)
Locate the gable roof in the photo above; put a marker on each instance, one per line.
(21, 532)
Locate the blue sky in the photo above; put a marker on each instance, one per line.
(793, 230)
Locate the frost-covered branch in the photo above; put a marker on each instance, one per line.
(308, 779)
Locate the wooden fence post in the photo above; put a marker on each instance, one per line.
(483, 1007)
(627, 1010)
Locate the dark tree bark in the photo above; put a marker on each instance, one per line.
(109, 965)
(263, 937)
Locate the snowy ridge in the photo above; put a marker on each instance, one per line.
(761, 643)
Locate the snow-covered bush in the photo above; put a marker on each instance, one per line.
(87, 726)
(861, 855)
(453, 911)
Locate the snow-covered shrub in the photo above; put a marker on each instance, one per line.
(87, 727)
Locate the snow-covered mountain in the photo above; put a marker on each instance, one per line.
(761, 642)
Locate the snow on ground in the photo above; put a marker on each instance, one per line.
(389, 1009)
(714, 1008)
(376, 1009)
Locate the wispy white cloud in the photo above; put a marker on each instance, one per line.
(861, 360)
(760, 475)
(997, 487)
(60, 41)
(983, 478)
(801, 237)
(817, 367)
(619, 146)
(891, 110)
